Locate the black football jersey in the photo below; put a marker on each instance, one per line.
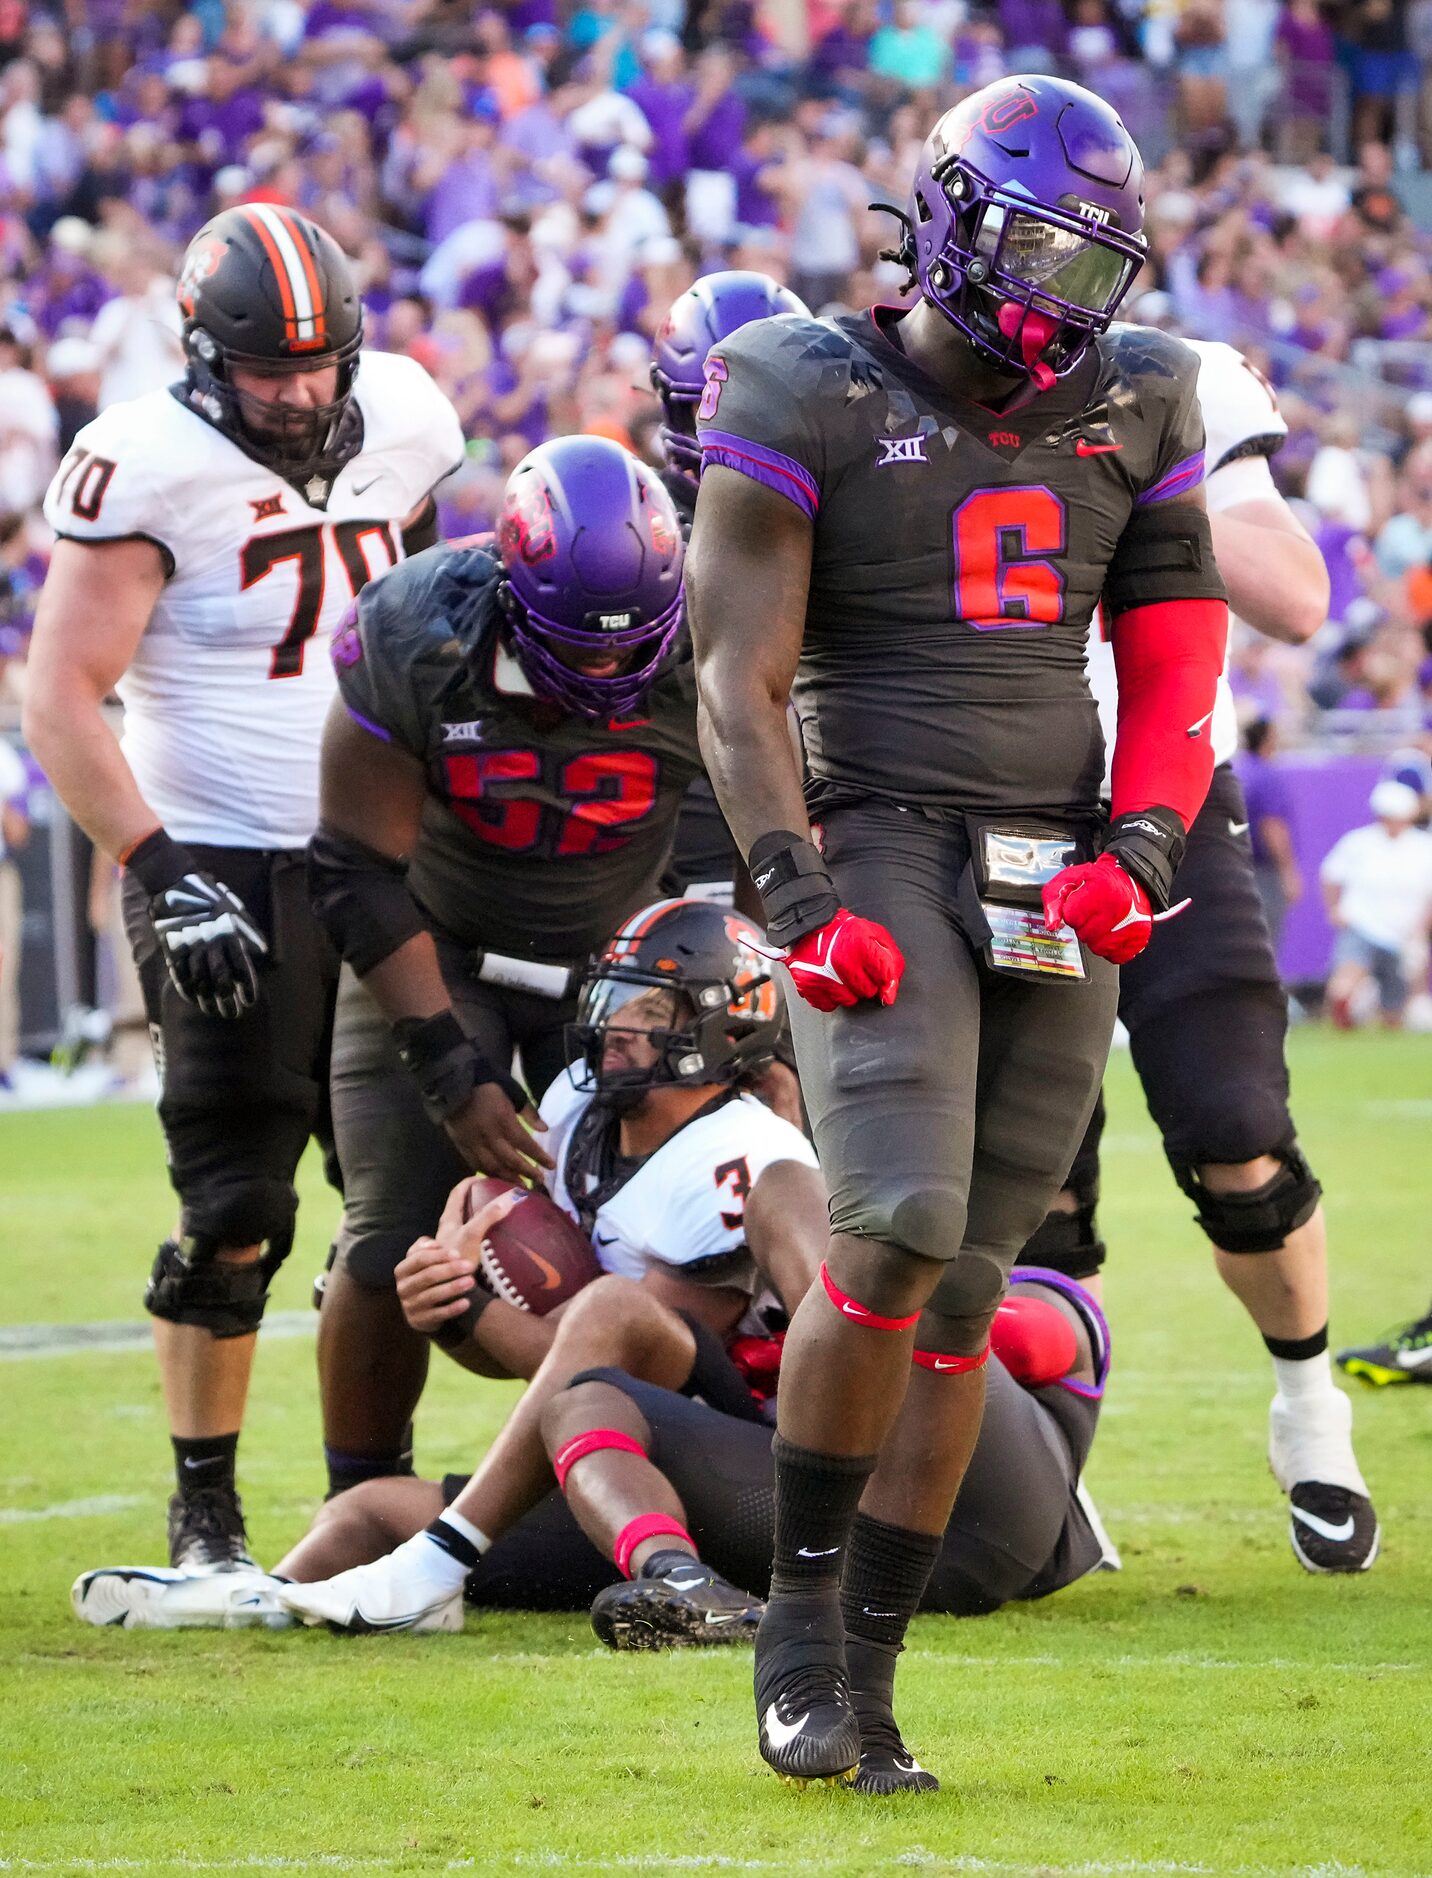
(959, 552)
(541, 831)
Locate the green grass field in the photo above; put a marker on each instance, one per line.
(1211, 1709)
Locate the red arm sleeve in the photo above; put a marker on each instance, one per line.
(1168, 658)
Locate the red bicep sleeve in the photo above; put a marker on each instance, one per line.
(1168, 657)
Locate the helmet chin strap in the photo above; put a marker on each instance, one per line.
(1034, 332)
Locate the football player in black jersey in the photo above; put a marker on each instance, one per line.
(704, 859)
(514, 732)
(909, 518)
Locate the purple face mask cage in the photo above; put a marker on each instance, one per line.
(977, 286)
(589, 697)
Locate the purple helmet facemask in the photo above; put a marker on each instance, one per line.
(593, 558)
(1024, 222)
(588, 696)
(710, 311)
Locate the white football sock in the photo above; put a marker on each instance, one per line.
(1303, 1376)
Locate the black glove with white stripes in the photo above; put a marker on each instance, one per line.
(209, 938)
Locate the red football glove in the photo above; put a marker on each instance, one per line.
(1107, 908)
(845, 960)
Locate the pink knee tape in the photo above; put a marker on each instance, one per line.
(943, 1364)
(646, 1526)
(859, 1313)
(594, 1441)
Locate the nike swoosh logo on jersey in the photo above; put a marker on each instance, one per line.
(1194, 729)
(1084, 448)
(781, 1734)
(1238, 828)
(1329, 1531)
(607, 1238)
(362, 488)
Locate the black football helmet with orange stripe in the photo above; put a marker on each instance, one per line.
(723, 1021)
(266, 289)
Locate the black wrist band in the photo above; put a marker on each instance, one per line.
(454, 1332)
(447, 1065)
(1149, 845)
(158, 862)
(797, 892)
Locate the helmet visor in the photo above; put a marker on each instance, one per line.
(1057, 263)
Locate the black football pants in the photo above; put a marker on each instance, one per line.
(946, 1122)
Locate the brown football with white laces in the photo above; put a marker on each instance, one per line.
(538, 1256)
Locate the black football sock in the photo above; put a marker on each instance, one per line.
(205, 1461)
(886, 1571)
(816, 1498)
(350, 1470)
(660, 1563)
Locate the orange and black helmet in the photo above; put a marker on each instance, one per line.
(727, 1012)
(264, 288)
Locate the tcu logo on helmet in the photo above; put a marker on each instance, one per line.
(200, 262)
(526, 524)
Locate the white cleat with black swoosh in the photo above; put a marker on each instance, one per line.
(156, 1597)
(1332, 1524)
(392, 1594)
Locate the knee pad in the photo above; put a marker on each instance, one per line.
(1258, 1221)
(1067, 1243)
(926, 1223)
(189, 1285)
(239, 1213)
(968, 1295)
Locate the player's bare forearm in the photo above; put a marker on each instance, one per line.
(1274, 571)
(788, 1228)
(92, 614)
(747, 575)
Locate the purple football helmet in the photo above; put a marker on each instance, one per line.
(592, 551)
(700, 318)
(1024, 222)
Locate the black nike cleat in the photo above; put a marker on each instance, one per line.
(1405, 1356)
(206, 1531)
(1332, 1528)
(808, 1729)
(686, 1607)
(886, 1764)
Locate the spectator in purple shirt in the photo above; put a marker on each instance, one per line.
(1270, 824)
(664, 96)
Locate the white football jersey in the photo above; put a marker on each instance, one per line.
(225, 698)
(686, 1203)
(1242, 428)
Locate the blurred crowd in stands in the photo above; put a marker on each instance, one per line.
(526, 188)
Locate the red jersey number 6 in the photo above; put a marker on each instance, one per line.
(1002, 578)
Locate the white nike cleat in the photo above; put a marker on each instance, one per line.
(393, 1593)
(1110, 1559)
(1332, 1526)
(156, 1597)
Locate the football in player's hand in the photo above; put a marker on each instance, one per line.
(538, 1256)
